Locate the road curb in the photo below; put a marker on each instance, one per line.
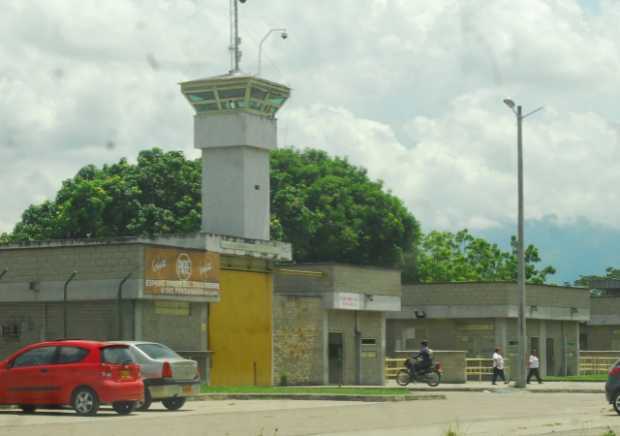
(532, 391)
(322, 397)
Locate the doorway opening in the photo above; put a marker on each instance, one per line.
(336, 359)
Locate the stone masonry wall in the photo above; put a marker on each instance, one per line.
(298, 339)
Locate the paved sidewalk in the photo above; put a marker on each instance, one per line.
(548, 387)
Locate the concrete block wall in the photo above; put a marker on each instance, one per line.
(188, 334)
(601, 337)
(92, 262)
(496, 293)
(367, 280)
(440, 333)
(298, 340)
(100, 268)
(44, 321)
(341, 278)
(299, 284)
(494, 300)
(604, 311)
(605, 305)
(457, 294)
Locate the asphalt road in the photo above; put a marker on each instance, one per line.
(506, 412)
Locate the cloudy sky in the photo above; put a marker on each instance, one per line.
(410, 89)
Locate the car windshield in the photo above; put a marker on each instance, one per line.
(116, 355)
(157, 351)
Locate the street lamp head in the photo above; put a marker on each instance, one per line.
(508, 102)
(284, 35)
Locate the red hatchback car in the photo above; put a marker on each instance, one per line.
(82, 374)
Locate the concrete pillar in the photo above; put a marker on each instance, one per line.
(542, 353)
(382, 338)
(325, 348)
(138, 320)
(204, 340)
(500, 333)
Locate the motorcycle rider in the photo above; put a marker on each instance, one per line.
(424, 355)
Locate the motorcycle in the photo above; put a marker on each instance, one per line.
(430, 376)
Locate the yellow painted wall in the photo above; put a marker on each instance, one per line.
(240, 330)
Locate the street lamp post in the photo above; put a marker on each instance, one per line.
(520, 364)
(283, 35)
(65, 324)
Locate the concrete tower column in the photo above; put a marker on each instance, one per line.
(235, 127)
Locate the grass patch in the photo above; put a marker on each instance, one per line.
(576, 378)
(302, 390)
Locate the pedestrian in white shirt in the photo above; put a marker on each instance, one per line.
(498, 366)
(533, 367)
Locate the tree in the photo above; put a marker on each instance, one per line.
(329, 209)
(158, 195)
(457, 257)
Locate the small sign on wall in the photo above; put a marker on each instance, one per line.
(174, 308)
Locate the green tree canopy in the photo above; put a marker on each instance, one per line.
(329, 209)
(160, 194)
(457, 257)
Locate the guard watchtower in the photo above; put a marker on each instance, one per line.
(235, 127)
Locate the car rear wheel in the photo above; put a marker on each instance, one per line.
(85, 402)
(124, 407)
(616, 403)
(174, 403)
(144, 405)
(27, 408)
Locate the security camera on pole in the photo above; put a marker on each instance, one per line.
(520, 366)
(283, 35)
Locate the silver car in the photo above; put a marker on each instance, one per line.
(168, 377)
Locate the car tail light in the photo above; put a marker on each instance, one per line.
(166, 371)
(615, 371)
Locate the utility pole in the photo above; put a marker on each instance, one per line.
(520, 366)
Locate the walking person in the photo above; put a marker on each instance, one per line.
(533, 367)
(498, 366)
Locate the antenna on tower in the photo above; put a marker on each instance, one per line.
(235, 40)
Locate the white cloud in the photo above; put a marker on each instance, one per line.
(462, 171)
(411, 90)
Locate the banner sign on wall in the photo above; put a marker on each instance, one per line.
(181, 273)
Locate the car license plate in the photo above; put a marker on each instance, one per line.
(125, 374)
(187, 390)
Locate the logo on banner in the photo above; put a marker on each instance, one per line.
(159, 263)
(184, 267)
